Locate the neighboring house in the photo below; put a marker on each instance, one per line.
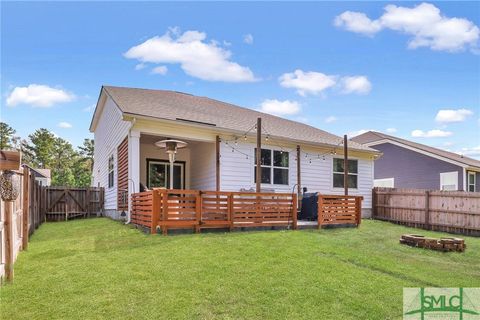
(406, 164)
(127, 122)
(43, 176)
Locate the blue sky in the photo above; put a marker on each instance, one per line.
(342, 67)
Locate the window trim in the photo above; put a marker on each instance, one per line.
(111, 171)
(349, 173)
(182, 164)
(272, 167)
(474, 174)
(442, 177)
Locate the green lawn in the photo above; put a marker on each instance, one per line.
(100, 269)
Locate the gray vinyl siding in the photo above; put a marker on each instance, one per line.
(411, 169)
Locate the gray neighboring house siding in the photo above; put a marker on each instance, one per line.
(411, 169)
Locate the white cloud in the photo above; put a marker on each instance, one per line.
(90, 108)
(308, 82)
(280, 108)
(160, 70)
(424, 22)
(330, 119)
(391, 130)
(471, 152)
(358, 132)
(198, 58)
(140, 66)
(356, 84)
(248, 39)
(431, 133)
(38, 96)
(64, 125)
(312, 82)
(450, 115)
(357, 22)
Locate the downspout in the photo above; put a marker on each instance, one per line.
(132, 123)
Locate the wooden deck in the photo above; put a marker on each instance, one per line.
(163, 210)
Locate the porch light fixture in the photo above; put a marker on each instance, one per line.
(171, 147)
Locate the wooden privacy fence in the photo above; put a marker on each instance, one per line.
(64, 203)
(193, 209)
(450, 211)
(338, 210)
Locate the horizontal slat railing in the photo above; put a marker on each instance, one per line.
(142, 209)
(338, 210)
(179, 209)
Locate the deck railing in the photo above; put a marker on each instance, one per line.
(338, 210)
(193, 209)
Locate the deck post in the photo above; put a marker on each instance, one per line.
(320, 211)
(294, 210)
(230, 210)
(156, 200)
(25, 204)
(164, 212)
(198, 211)
(259, 155)
(358, 210)
(345, 164)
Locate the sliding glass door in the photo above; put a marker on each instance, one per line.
(158, 174)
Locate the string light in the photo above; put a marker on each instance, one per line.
(269, 138)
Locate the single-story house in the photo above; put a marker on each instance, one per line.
(221, 142)
(43, 176)
(407, 164)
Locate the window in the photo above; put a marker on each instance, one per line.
(274, 165)
(110, 171)
(384, 183)
(158, 174)
(471, 181)
(338, 173)
(449, 181)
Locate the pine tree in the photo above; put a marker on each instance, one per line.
(6, 136)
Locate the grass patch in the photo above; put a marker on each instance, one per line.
(98, 268)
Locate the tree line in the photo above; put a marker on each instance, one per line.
(70, 167)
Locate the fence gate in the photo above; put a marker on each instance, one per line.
(70, 203)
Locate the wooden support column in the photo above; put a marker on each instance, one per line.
(25, 205)
(8, 227)
(259, 155)
(299, 173)
(345, 164)
(217, 163)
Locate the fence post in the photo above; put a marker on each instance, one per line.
(427, 210)
(8, 227)
(294, 210)
(25, 204)
(320, 211)
(374, 202)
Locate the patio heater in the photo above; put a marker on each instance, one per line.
(171, 147)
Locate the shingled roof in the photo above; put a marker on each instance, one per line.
(374, 137)
(183, 107)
